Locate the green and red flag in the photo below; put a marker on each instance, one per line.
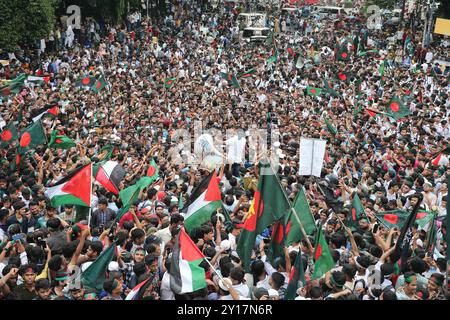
(396, 109)
(75, 188)
(247, 73)
(94, 276)
(342, 53)
(393, 218)
(356, 213)
(151, 175)
(436, 161)
(269, 204)
(185, 273)
(99, 84)
(313, 91)
(31, 137)
(292, 227)
(292, 52)
(297, 275)
(85, 81)
(343, 76)
(273, 56)
(109, 174)
(205, 199)
(58, 141)
(8, 135)
(168, 82)
(322, 256)
(231, 79)
(373, 113)
(363, 53)
(329, 87)
(12, 86)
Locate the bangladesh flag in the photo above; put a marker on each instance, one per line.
(94, 276)
(168, 82)
(269, 204)
(273, 56)
(312, 91)
(85, 82)
(47, 111)
(130, 194)
(373, 113)
(12, 86)
(363, 53)
(203, 202)
(356, 213)
(99, 84)
(297, 274)
(31, 137)
(231, 78)
(8, 135)
(322, 256)
(342, 53)
(330, 127)
(301, 206)
(58, 141)
(396, 109)
(246, 74)
(185, 273)
(423, 219)
(329, 88)
(109, 174)
(76, 188)
(393, 218)
(151, 175)
(343, 76)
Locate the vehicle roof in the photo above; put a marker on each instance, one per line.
(328, 7)
(249, 14)
(257, 28)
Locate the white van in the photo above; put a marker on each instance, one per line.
(251, 20)
(328, 11)
(255, 33)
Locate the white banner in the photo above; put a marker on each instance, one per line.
(312, 153)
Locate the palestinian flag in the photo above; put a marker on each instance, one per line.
(393, 218)
(297, 274)
(168, 82)
(246, 74)
(330, 127)
(109, 174)
(322, 256)
(8, 135)
(231, 78)
(58, 141)
(291, 52)
(269, 204)
(38, 80)
(202, 203)
(185, 273)
(151, 175)
(99, 84)
(312, 91)
(329, 88)
(138, 291)
(396, 109)
(12, 86)
(94, 276)
(343, 76)
(31, 137)
(436, 161)
(273, 56)
(293, 232)
(342, 53)
(86, 82)
(76, 188)
(356, 213)
(47, 111)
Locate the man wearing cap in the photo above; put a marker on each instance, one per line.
(408, 291)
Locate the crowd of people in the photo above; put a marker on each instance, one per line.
(386, 162)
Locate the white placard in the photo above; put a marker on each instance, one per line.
(312, 153)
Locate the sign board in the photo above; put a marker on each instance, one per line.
(442, 26)
(312, 153)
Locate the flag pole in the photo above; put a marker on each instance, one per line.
(90, 199)
(294, 212)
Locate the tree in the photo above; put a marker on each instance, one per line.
(25, 22)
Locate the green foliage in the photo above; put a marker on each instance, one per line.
(25, 22)
(444, 9)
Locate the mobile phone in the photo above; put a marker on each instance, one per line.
(17, 237)
(375, 228)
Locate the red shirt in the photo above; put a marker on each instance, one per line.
(127, 217)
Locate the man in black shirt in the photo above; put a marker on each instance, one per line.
(26, 290)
